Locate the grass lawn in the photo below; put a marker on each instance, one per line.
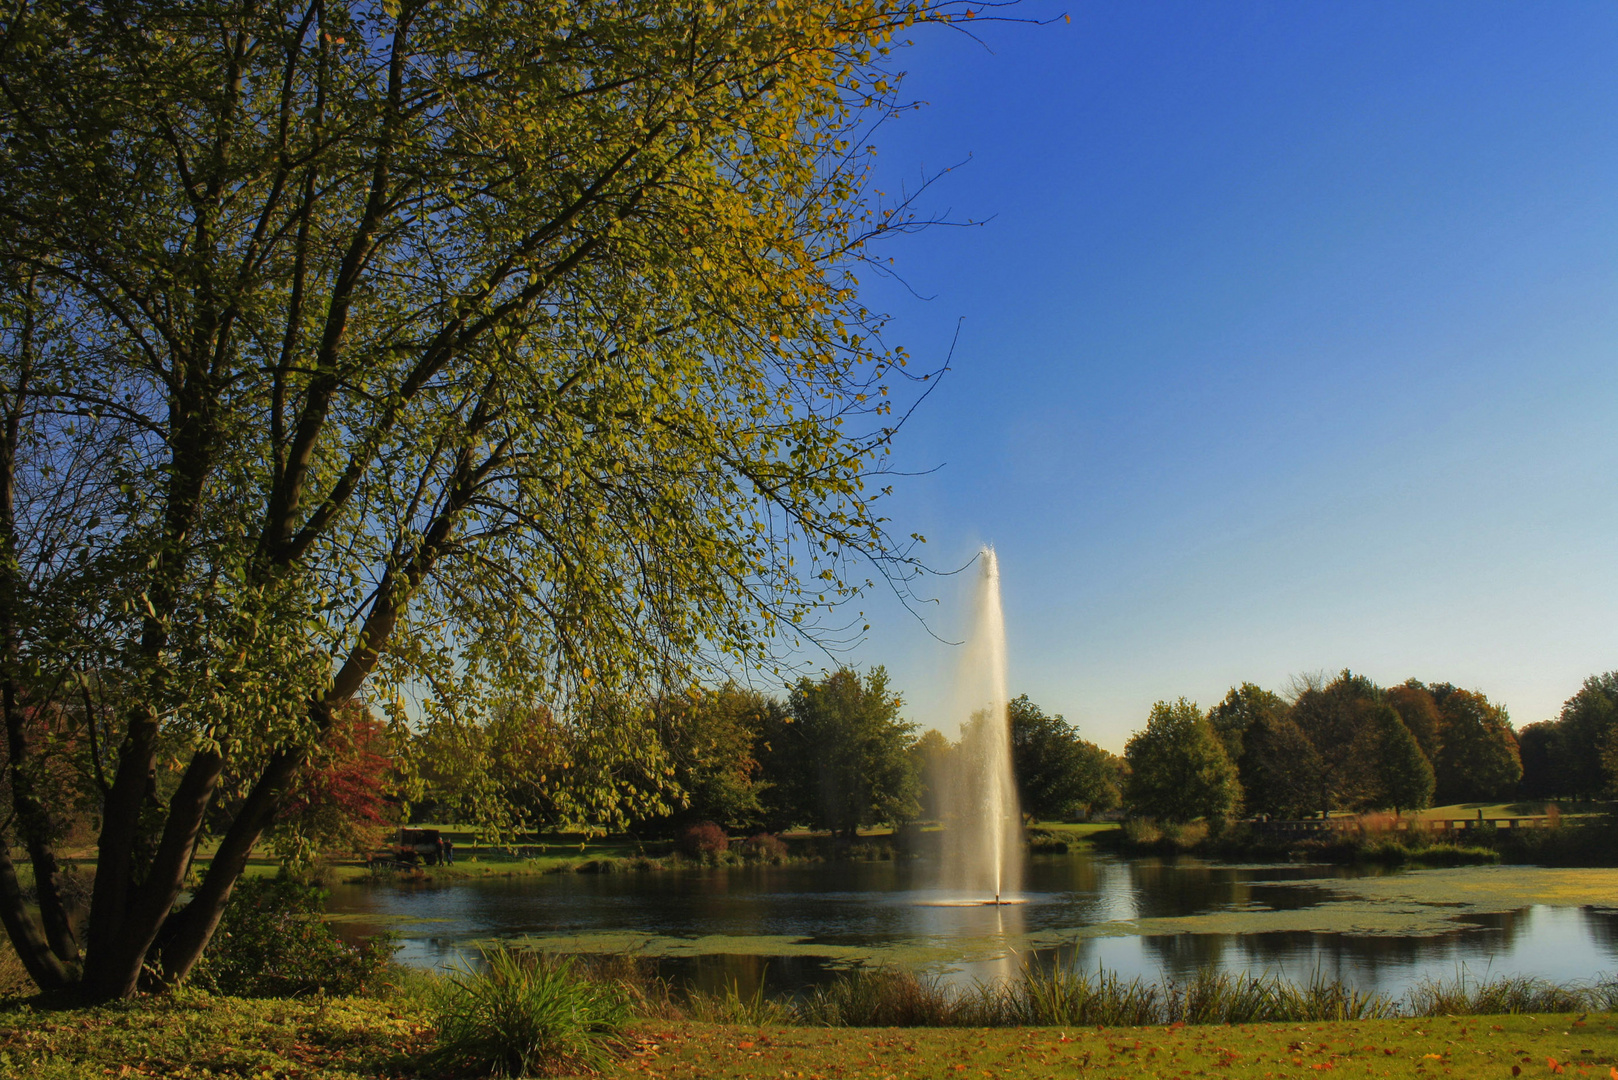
(194, 1037)
(190, 1036)
(1480, 1047)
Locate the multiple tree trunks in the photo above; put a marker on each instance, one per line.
(415, 343)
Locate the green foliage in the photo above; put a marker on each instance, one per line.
(731, 1006)
(1335, 718)
(527, 1015)
(934, 757)
(1504, 995)
(517, 768)
(710, 738)
(882, 997)
(1575, 755)
(1420, 713)
(841, 758)
(1243, 707)
(1178, 767)
(1058, 773)
(1279, 768)
(272, 942)
(454, 359)
(1072, 996)
(1478, 759)
(1404, 776)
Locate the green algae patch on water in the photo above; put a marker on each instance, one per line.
(1415, 903)
(909, 952)
(1473, 1048)
(1487, 888)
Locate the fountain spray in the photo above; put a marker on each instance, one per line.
(983, 851)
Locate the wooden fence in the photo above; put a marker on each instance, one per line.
(1447, 825)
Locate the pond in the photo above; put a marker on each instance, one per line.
(792, 926)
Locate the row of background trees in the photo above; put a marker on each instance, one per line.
(837, 754)
(1349, 744)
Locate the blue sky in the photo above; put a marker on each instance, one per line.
(1288, 345)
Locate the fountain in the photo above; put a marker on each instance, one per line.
(983, 838)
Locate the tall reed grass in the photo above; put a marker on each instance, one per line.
(524, 1013)
(1509, 994)
(1069, 996)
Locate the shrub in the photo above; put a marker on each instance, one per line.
(526, 1015)
(764, 847)
(1046, 842)
(272, 942)
(703, 839)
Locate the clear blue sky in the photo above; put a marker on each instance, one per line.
(1289, 346)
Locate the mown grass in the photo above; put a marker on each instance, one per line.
(1482, 1048)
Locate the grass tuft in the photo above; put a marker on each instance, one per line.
(524, 1014)
(883, 997)
(734, 1007)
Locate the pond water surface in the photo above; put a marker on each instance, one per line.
(792, 926)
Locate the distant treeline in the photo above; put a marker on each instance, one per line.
(1349, 744)
(836, 753)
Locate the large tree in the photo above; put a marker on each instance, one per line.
(412, 353)
(934, 758)
(1058, 773)
(844, 756)
(1419, 712)
(710, 739)
(1179, 770)
(1478, 759)
(1242, 707)
(1587, 724)
(1279, 768)
(1336, 720)
(1404, 776)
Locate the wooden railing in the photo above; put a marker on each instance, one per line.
(1349, 824)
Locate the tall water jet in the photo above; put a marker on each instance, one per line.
(983, 840)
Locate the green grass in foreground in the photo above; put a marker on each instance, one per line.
(1418, 1049)
(190, 1037)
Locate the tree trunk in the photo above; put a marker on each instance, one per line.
(186, 933)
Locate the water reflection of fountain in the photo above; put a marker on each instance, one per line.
(983, 840)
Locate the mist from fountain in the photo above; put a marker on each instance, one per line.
(983, 838)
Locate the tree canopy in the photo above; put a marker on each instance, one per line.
(1478, 759)
(1404, 777)
(1335, 719)
(1571, 755)
(843, 756)
(1179, 770)
(1279, 768)
(436, 357)
(1058, 773)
